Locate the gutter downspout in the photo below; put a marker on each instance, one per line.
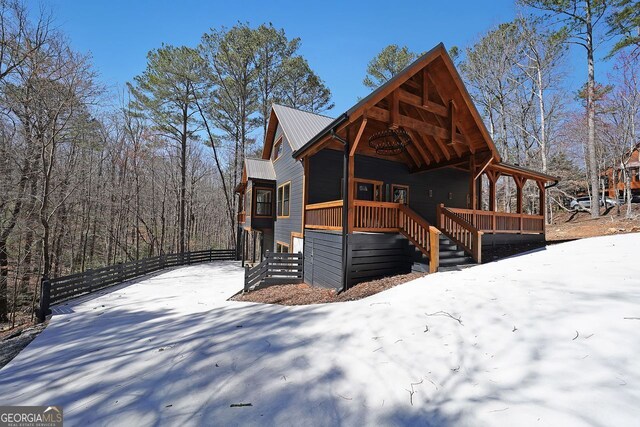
(546, 187)
(345, 207)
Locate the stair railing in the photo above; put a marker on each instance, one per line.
(419, 232)
(460, 231)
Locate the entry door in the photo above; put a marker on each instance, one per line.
(368, 190)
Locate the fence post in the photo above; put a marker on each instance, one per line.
(188, 258)
(120, 268)
(45, 299)
(302, 265)
(246, 280)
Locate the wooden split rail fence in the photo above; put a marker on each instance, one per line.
(59, 289)
(275, 269)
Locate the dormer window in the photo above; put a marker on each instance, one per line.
(277, 149)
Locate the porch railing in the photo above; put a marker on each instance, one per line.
(459, 229)
(375, 216)
(501, 222)
(324, 216)
(379, 217)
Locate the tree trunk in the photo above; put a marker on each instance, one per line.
(591, 117)
(183, 178)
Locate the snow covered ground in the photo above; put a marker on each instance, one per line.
(548, 338)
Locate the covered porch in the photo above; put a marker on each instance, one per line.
(414, 158)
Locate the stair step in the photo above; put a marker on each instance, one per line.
(419, 267)
(455, 260)
(451, 253)
(451, 247)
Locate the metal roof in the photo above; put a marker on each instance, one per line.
(259, 169)
(299, 126)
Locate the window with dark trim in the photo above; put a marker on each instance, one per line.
(282, 248)
(264, 202)
(284, 194)
(277, 149)
(400, 194)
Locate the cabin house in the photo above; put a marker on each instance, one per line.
(394, 184)
(615, 187)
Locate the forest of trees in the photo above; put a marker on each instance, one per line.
(83, 185)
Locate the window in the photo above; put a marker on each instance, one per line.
(368, 189)
(284, 193)
(264, 201)
(247, 202)
(400, 194)
(277, 149)
(282, 248)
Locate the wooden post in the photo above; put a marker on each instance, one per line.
(543, 210)
(520, 182)
(45, 299)
(477, 247)
(492, 197)
(352, 190)
(244, 246)
(253, 254)
(305, 194)
(434, 248)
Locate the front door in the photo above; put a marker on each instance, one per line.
(368, 190)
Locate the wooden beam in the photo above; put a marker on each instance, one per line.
(442, 146)
(352, 152)
(415, 156)
(520, 181)
(425, 87)
(450, 164)
(452, 120)
(418, 142)
(393, 122)
(493, 177)
(483, 168)
(383, 115)
(305, 191)
(416, 101)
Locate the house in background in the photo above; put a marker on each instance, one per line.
(633, 169)
(392, 185)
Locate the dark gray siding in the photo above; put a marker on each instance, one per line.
(323, 259)
(510, 238)
(371, 256)
(288, 169)
(375, 255)
(325, 173)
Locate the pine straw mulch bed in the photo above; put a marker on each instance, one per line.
(304, 294)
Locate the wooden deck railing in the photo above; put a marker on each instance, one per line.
(375, 216)
(459, 229)
(379, 217)
(423, 235)
(501, 222)
(324, 216)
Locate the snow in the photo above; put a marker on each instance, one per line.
(547, 338)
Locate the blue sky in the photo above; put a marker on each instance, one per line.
(338, 38)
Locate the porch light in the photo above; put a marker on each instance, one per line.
(390, 142)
